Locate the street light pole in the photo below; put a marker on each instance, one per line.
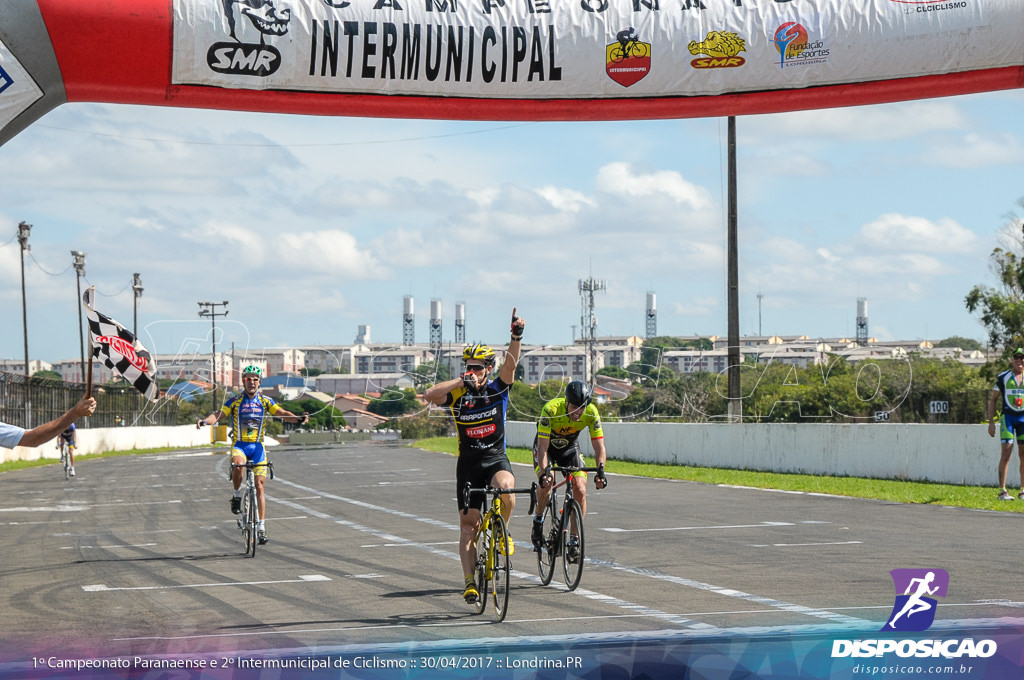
(137, 288)
(79, 260)
(210, 309)
(23, 230)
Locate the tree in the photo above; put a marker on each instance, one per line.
(321, 416)
(1002, 308)
(48, 374)
(394, 402)
(614, 372)
(967, 344)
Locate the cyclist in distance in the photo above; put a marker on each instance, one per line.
(558, 430)
(249, 410)
(478, 405)
(68, 435)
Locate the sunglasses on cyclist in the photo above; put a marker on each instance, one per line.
(475, 367)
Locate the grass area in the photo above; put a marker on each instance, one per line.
(22, 464)
(978, 497)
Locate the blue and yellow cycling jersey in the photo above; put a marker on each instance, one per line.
(249, 415)
(556, 425)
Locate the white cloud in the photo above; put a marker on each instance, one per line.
(621, 179)
(329, 251)
(893, 231)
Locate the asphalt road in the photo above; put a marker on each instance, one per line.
(140, 555)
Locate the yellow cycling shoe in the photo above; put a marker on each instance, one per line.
(501, 545)
(471, 595)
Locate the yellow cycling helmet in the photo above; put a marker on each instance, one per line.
(479, 352)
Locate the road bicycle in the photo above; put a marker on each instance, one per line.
(248, 520)
(633, 48)
(493, 564)
(65, 457)
(563, 531)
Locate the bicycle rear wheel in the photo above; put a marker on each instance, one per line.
(65, 461)
(483, 539)
(572, 554)
(548, 553)
(502, 567)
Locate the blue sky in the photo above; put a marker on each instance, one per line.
(311, 226)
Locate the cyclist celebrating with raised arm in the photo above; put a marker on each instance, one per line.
(558, 430)
(249, 411)
(478, 406)
(68, 436)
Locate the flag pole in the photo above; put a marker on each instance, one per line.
(88, 373)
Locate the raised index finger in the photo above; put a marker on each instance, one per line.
(513, 314)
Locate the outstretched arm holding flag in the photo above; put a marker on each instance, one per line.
(119, 349)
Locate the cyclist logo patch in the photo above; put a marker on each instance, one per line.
(914, 608)
(628, 60)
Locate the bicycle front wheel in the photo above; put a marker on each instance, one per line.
(548, 553)
(65, 461)
(483, 540)
(572, 545)
(502, 567)
(251, 511)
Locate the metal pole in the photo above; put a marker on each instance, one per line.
(23, 230)
(734, 357)
(137, 289)
(79, 260)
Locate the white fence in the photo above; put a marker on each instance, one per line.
(952, 454)
(97, 440)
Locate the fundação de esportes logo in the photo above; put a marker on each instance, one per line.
(249, 58)
(914, 608)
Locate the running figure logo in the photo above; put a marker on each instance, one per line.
(913, 610)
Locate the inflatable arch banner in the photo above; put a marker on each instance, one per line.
(502, 59)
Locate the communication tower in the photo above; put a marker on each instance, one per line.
(460, 323)
(652, 315)
(435, 325)
(862, 321)
(408, 322)
(588, 322)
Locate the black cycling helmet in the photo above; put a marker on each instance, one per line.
(578, 393)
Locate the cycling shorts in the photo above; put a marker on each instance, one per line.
(479, 474)
(255, 452)
(570, 457)
(1011, 426)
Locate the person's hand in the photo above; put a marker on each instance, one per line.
(200, 423)
(469, 382)
(518, 324)
(600, 481)
(546, 478)
(85, 407)
(305, 418)
(991, 429)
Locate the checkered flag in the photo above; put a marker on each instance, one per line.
(119, 350)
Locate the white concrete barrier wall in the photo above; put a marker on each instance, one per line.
(100, 439)
(952, 454)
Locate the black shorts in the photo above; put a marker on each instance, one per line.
(570, 457)
(479, 473)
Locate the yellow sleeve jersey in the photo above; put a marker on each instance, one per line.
(555, 424)
(249, 416)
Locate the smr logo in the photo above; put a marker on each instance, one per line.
(250, 59)
(914, 610)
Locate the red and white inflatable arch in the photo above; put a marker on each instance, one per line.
(502, 59)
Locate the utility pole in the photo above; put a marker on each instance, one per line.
(79, 262)
(734, 356)
(137, 289)
(23, 230)
(210, 309)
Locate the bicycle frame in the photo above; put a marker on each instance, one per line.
(559, 525)
(248, 520)
(65, 458)
(493, 564)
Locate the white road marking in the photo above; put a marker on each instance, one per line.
(302, 579)
(107, 547)
(759, 525)
(798, 545)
